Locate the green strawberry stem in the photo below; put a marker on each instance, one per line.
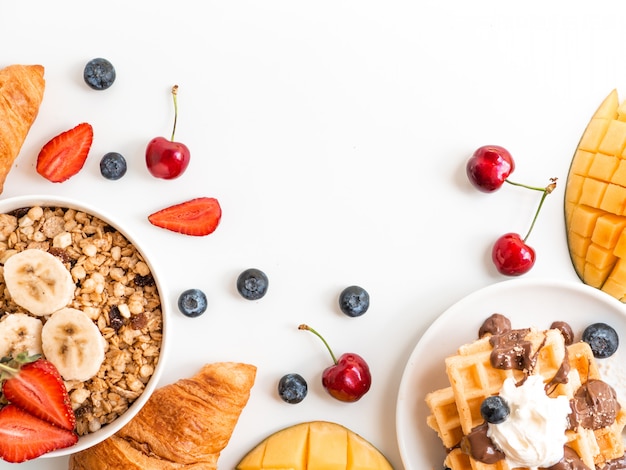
(4, 368)
(175, 99)
(547, 190)
(10, 367)
(307, 327)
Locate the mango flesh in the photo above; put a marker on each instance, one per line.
(595, 200)
(314, 445)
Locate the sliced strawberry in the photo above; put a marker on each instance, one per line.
(65, 154)
(37, 387)
(25, 437)
(197, 217)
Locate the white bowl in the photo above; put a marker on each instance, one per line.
(88, 440)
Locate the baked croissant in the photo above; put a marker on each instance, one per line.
(184, 425)
(21, 93)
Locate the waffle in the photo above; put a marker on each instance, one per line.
(455, 410)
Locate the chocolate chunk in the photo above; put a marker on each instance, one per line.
(496, 324)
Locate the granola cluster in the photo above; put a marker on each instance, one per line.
(114, 287)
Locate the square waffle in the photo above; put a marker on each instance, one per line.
(455, 410)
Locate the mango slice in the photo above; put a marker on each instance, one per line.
(595, 200)
(314, 445)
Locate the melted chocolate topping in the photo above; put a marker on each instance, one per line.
(566, 331)
(496, 324)
(594, 406)
(570, 461)
(562, 375)
(615, 464)
(481, 447)
(512, 351)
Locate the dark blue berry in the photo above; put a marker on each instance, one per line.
(99, 74)
(192, 303)
(602, 339)
(113, 166)
(494, 409)
(292, 388)
(354, 301)
(252, 284)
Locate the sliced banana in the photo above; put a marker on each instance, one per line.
(38, 281)
(20, 333)
(73, 343)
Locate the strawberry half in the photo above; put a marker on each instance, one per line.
(196, 217)
(65, 154)
(25, 437)
(37, 387)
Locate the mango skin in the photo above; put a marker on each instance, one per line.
(314, 445)
(595, 200)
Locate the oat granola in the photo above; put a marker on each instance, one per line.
(114, 287)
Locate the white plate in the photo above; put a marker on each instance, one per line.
(526, 302)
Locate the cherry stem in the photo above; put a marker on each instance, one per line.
(534, 188)
(547, 190)
(307, 327)
(175, 98)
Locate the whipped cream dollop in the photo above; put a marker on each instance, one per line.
(533, 435)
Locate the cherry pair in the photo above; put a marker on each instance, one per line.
(488, 169)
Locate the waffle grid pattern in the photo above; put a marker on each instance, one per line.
(455, 410)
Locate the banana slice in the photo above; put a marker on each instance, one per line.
(38, 281)
(20, 333)
(73, 343)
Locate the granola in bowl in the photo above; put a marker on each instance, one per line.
(115, 286)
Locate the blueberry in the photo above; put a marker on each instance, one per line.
(99, 74)
(192, 303)
(292, 388)
(602, 338)
(494, 409)
(252, 284)
(113, 166)
(354, 301)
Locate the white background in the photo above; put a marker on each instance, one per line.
(335, 136)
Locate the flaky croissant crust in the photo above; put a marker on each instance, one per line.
(184, 425)
(21, 93)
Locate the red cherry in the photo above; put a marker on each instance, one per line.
(489, 167)
(167, 159)
(512, 256)
(349, 378)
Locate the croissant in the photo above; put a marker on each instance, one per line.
(21, 93)
(184, 425)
